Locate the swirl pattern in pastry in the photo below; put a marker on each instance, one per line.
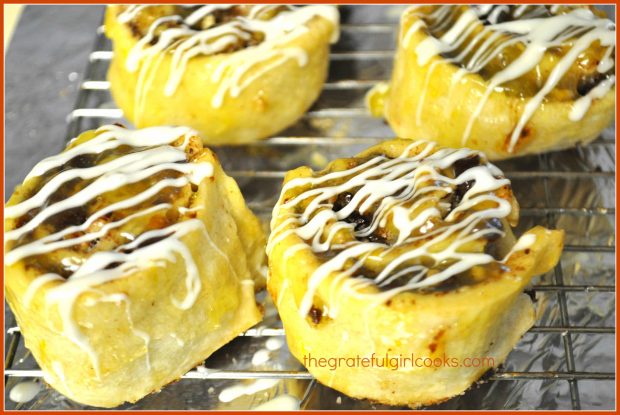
(196, 65)
(380, 252)
(507, 80)
(117, 249)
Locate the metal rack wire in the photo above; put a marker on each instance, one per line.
(93, 108)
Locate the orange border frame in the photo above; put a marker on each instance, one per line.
(309, 2)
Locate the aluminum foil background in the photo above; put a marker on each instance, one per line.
(577, 196)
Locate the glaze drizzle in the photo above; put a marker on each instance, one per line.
(440, 204)
(184, 41)
(159, 154)
(474, 37)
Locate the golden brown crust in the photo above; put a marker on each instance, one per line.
(480, 317)
(276, 95)
(439, 100)
(132, 336)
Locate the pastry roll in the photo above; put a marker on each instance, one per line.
(404, 251)
(235, 73)
(129, 258)
(506, 80)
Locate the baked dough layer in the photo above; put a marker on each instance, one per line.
(336, 305)
(436, 92)
(228, 97)
(105, 337)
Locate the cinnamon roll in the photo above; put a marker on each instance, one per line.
(129, 258)
(404, 251)
(507, 80)
(235, 73)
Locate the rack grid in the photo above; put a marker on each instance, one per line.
(354, 71)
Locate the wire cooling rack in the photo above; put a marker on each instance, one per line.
(565, 362)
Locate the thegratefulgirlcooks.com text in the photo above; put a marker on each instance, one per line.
(394, 362)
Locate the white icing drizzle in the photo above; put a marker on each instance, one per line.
(24, 391)
(183, 210)
(60, 374)
(131, 12)
(260, 357)
(179, 341)
(274, 343)
(154, 153)
(238, 70)
(38, 283)
(394, 188)
(581, 106)
(233, 392)
(57, 241)
(109, 137)
(283, 288)
(525, 242)
(496, 12)
(578, 29)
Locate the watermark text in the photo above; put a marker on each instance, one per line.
(395, 362)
